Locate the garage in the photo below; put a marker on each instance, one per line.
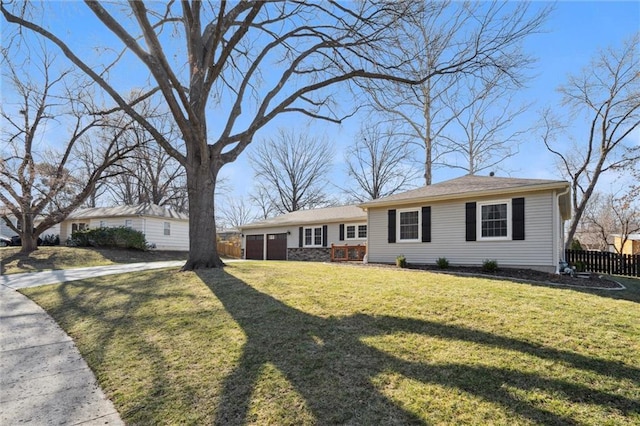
(276, 246)
(255, 247)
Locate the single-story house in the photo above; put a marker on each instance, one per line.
(304, 234)
(470, 219)
(631, 245)
(163, 227)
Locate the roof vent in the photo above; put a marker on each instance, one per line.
(492, 174)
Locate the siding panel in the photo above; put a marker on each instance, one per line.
(448, 237)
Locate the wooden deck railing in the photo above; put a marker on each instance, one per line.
(348, 253)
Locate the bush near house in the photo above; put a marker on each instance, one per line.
(120, 237)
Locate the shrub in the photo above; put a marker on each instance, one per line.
(580, 266)
(575, 245)
(51, 240)
(121, 237)
(442, 263)
(401, 261)
(490, 265)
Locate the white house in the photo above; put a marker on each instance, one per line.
(305, 234)
(467, 220)
(164, 228)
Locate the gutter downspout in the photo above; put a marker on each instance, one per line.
(560, 230)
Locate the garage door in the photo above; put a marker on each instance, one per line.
(255, 246)
(277, 247)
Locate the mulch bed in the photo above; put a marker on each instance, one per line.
(595, 281)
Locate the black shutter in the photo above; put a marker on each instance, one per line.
(341, 232)
(426, 224)
(300, 236)
(324, 235)
(391, 223)
(517, 219)
(470, 221)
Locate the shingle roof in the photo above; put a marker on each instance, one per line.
(466, 186)
(150, 210)
(325, 215)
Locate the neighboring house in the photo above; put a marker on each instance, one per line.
(631, 246)
(8, 232)
(304, 234)
(164, 228)
(467, 220)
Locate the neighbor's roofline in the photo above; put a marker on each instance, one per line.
(462, 195)
(349, 219)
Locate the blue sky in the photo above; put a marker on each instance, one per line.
(574, 32)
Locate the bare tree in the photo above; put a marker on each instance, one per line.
(292, 169)
(253, 60)
(43, 184)
(235, 212)
(457, 44)
(608, 216)
(261, 199)
(606, 97)
(481, 132)
(378, 165)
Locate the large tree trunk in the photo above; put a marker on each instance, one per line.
(29, 240)
(203, 251)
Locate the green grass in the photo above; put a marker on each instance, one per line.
(61, 257)
(308, 343)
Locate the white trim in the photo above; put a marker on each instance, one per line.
(356, 235)
(313, 236)
(480, 204)
(399, 220)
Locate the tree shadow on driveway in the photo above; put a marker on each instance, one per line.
(328, 364)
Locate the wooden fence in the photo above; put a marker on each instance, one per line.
(604, 262)
(347, 253)
(229, 249)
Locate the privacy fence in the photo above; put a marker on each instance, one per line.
(229, 249)
(604, 262)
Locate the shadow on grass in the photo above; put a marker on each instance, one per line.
(332, 369)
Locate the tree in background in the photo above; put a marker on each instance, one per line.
(481, 132)
(292, 170)
(44, 184)
(608, 216)
(378, 165)
(606, 98)
(234, 213)
(459, 45)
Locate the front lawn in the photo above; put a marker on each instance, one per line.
(309, 343)
(62, 257)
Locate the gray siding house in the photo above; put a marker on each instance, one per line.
(517, 222)
(304, 234)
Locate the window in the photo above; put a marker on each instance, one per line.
(103, 224)
(313, 237)
(494, 220)
(409, 225)
(362, 231)
(75, 227)
(167, 228)
(128, 223)
(356, 232)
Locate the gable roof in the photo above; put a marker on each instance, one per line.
(147, 209)
(466, 187)
(301, 217)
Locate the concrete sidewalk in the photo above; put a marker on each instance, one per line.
(43, 378)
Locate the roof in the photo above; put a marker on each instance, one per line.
(630, 237)
(465, 187)
(349, 213)
(148, 210)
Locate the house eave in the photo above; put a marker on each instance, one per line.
(464, 195)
